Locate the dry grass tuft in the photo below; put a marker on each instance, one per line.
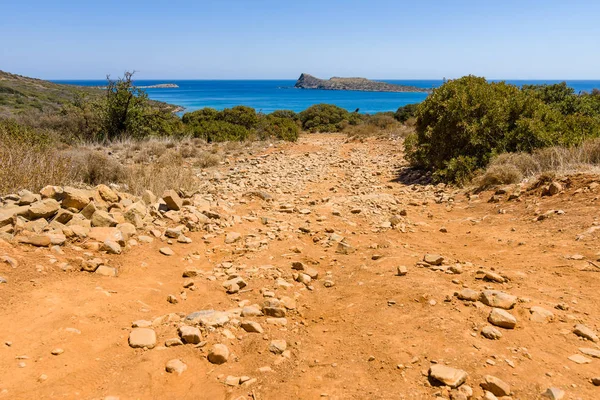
(514, 167)
(23, 166)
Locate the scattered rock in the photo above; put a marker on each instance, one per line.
(448, 376)
(219, 354)
(176, 366)
(142, 337)
(502, 318)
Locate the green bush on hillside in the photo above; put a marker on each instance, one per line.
(467, 121)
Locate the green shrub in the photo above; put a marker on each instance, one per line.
(406, 112)
(324, 118)
(240, 115)
(285, 114)
(278, 128)
(219, 131)
(204, 114)
(467, 121)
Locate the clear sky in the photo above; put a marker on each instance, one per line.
(279, 39)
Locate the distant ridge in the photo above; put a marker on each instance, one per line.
(307, 81)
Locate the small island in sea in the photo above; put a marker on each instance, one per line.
(307, 81)
(161, 86)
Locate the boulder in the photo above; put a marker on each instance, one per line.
(448, 376)
(142, 337)
(172, 200)
(75, 198)
(43, 209)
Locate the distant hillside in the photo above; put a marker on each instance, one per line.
(20, 94)
(307, 81)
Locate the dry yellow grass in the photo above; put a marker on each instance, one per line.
(514, 167)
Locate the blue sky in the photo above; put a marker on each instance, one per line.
(265, 39)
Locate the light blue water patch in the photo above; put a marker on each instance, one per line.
(270, 95)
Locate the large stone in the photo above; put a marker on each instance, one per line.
(75, 198)
(103, 219)
(208, 318)
(495, 385)
(277, 346)
(63, 216)
(585, 332)
(107, 194)
(53, 192)
(554, 393)
(190, 334)
(102, 234)
(111, 247)
(433, 259)
(498, 299)
(502, 318)
(43, 209)
(142, 337)
(468, 295)
(448, 376)
(172, 200)
(218, 354)
(232, 237)
(175, 366)
(251, 327)
(540, 315)
(491, 333)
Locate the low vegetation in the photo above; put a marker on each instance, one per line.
(467, 122)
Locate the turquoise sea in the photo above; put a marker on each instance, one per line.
(271, 95)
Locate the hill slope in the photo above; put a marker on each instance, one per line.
(19, 94)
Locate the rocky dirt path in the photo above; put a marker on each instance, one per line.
(319, 275)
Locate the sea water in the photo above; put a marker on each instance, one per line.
(269, 95)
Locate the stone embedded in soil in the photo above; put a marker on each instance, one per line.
(449, 376)
(585, 332)
(232, 237)
(251, 326)
(175, 366)
(596, 381)
(540, 315)
(579, 359)
(166, 251)
(498, 299)
(190, 334)
(277, 346)
(502, 318)
(491, 333)
(468, 295)
(106, 271)
(590, 352)
(142, 337)
(218, 354)
(495, 385)
(554, 393)
(433, 259)
(402, 270)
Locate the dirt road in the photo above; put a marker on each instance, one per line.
(353, 327)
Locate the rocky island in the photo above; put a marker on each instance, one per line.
(307, 81)
(161, 86)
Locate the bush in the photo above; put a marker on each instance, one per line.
(465, 122)
(285, 114)
(219, 131)
(278, 128)
(324, 118)
(406, 112)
